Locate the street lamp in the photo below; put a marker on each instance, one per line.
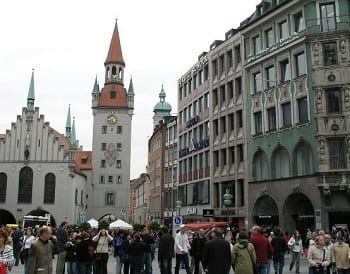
(145, 211)
(178, 206)
(227, 200)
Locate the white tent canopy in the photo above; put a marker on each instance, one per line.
(120, 224)
(93, 223)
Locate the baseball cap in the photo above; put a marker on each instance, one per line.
(182, 226)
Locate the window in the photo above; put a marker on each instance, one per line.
(327, 13)
(76, 196)
(329, 53)
(238, 86)
(280, 163)
(119, 164)
(49, 189)
(337, 153)
(333, 101)
(119, 129)
(206, 101)
(112, 94)
(25, 186)
(303, 110)
(82, 197)
(271, 115)
(270, 77)
(215, 67)
(299, 22)
(119, 147)
(110, 199)
(102, 179)
(260, 166)
(119, 179)
(237, 54)
(103, 146)
(285, 70)
(240, 153)
(303, 159)
(229, 59)
(84, 161)
(3, 187)
(257, 78)
(104, 129)
(203, 192)
(300, 63)
(287, 117)
(103, 163)
(110, 179)
(256, 44)
(239, 116)
(258, 122)
(283, 28)
(269, 39)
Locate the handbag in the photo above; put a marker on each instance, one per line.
(3, 268)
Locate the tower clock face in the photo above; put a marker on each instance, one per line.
(112, 119)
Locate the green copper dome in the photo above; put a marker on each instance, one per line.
(162, 108)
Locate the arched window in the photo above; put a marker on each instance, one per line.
(76, 196)
(280, 163)
(114, 72)
(120, 73)
(25, 186)
(260, 166)
(82, 197)
(303, 160)
(3, 187)
(50, 188)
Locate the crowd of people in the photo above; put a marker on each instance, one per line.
(211, 251)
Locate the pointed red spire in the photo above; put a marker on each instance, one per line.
(115, 54)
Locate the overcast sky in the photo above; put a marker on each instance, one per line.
(67, 43)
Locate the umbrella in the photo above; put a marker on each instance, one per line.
(93, 223)
(120, 224)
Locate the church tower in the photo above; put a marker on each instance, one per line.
(112, 108)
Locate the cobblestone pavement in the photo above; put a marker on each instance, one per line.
(111, 267)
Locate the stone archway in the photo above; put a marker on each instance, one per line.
(6, 217)
(41, 212)
(265, 212)
(298, 213)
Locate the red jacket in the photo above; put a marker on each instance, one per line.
(263, 248)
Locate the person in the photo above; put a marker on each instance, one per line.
(182, 247)
(270, 261)
(62, 239)
(217, 254)
(318, 257)
(279, 249)
(27, 243)
(117, 243)
(148, 239)
(71, 257)
(124, 258)
(341, 256)
(263, 249)
(165, 251)
(197, 250)
(7, 259)
(83, 256)
(101, 259)
(136, 252)
(295, 245)
(243, 255)
(41, 252)
(328, 244)
(17, 238)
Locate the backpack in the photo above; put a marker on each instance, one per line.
(117, 245)
(3, 268)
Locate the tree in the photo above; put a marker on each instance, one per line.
(103, 224)
(137, 227)
(153, 226)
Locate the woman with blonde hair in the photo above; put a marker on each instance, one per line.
(318, 257)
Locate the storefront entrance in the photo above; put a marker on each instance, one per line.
(265, 212)
(6, 217)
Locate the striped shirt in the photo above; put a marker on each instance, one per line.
(6, 257)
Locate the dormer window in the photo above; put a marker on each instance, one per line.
(113, 94)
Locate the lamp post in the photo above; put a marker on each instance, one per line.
(178, 206)
(145, 211)
(227, 200)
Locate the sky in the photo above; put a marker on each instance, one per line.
(66, 42)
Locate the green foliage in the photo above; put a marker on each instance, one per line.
(137, 227)
(84, 226)
(154, 226)
(103, 224)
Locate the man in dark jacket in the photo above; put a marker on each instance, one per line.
(62, 239)
(165, 251)
(148, 239)
(279, 247)
(263, 249)
(197, 249)
(217, 254)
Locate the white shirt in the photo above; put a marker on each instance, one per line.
(28, 242)
(182, 244)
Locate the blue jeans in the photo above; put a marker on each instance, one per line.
(269, 263)
(84, 267)
(147, 260)
(182, 258)
(72, 268)
(25, 260)
(342, 271)
(278, 262)
(165, 266)
(261, 268)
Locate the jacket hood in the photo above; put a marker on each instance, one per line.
(243, 244)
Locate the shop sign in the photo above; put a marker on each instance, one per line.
(208, 213)
(191, 211)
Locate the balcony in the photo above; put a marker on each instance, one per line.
(337, 23)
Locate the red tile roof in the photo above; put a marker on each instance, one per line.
(115, 54)
(83, 155)
(120, 100)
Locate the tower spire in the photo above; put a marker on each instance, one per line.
(31, 94)
(73, 139)
(115, 54)
(68, 124)
(131, 88)
(96, 89)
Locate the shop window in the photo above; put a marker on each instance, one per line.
(329, 53)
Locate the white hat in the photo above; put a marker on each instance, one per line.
(182, 226)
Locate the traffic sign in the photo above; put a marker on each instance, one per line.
(178, 220)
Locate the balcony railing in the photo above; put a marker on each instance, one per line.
(334, 23)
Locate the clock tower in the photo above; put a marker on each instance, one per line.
(112, 108)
